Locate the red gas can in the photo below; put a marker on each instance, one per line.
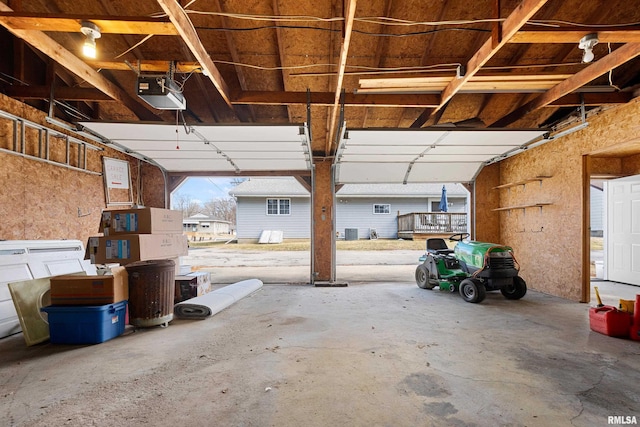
(610, 321)
(635, 329)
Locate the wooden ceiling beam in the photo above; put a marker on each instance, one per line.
(350, 13)
(281, 53)
(591, 99)
(406, 100)
(58, 53)
(71, 23)
(147, 66)
(426, 113)
(423, 117)
(562, 52)
(609, 62)
(522, 13)
(572, 36)
(327, 99)
(381, 46)
(235, 57)
(187, 31)
(323, 99)
(60, 92)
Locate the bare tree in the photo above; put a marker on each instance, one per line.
(223, 209)
(187, 205)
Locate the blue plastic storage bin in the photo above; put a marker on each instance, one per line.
(85, 324)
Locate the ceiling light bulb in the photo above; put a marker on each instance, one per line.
(89, 48)
(92, 32)
(587, 56)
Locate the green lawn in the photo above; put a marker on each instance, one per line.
(341, 245)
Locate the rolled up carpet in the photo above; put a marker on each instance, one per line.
(214, 302)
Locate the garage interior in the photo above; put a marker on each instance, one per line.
(371, 91)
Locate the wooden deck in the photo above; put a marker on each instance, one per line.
(424, 225)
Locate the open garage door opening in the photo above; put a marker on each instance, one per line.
(246, 227)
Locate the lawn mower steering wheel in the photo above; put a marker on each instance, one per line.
(459, 237)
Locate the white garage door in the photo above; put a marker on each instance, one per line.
(623, 230)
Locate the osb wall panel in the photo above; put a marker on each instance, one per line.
(606, 165)
(631, 165)
(487, 221)
(548, 240)
(44, 201)
(153, 185)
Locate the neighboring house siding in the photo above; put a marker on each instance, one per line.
(358, 213)
(597, 211)
(252, 218)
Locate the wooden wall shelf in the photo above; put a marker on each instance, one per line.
(523, 182)
(532, 205)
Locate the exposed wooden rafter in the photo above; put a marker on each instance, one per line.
(234, 56)
(381, 46)
(281, 53)
(572, 35)
(327, 99)
(323, 99)
(72, 23)
(64, 93)
(163, 27)
(185, 28)
(609, 62)
(522, 13)
(58, 53)
(147, 66)
(348, 28)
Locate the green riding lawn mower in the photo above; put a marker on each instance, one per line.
(471, 268)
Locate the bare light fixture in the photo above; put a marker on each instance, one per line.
(92, 32)
(587, 43)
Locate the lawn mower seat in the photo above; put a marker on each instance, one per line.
(438, 246)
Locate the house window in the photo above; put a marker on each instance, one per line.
(278, 206)
(381, 209)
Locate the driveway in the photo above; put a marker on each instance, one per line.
(293, 267)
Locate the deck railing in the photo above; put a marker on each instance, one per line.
(432, 223)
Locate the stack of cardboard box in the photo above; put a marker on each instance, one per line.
(92, 309)
(87, 309)
(139, 235)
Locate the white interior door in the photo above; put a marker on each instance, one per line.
(623, 230)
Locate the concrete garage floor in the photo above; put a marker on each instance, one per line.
(382, 353)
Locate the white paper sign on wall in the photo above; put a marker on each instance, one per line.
(116, 173)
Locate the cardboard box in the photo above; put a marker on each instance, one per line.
(128, 248)
(141, 221)
(72, 289)
(192, 285)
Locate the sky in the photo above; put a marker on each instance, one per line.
(203, 189)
